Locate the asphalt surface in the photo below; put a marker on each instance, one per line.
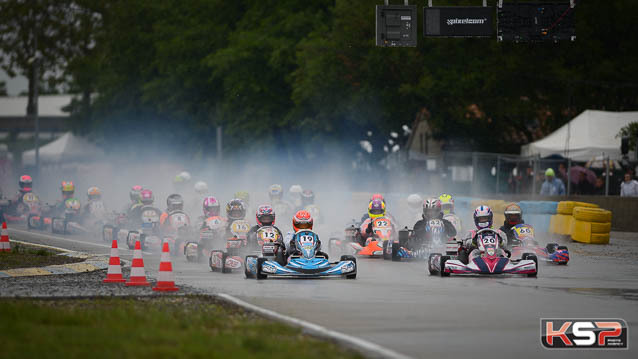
(401, 307)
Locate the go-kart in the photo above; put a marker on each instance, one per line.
(487, 259)
(526, 242)
(350, 244)
(409, 247)
(236, 246)
(378, 243)
(272, 248)
(307, 262)
(70, 222)
(211, 231)
(20, 210)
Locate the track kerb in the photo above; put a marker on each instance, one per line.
(5, 245)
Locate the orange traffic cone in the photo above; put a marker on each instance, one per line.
(4, 239)
(114, 274)
(165, 279)
(138, 276)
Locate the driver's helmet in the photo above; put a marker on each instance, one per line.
(201, 187)
(135, 193)
(174, 202)
(513, 214)
(25, 183)
(182, 177)
(447, 203)
(68, 189)
(414, 201)
(431, 208)
(275, 192)
(236, 210)
(483, 217)
(94, 194)
(378, 196)
(376, 209)
(146, 197)
(211, 207)
(295, 191)
(244, 196)
(302, 220)
(307, 197)
(265, 215)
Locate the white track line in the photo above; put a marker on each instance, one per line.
(45, 236)
(364, 346)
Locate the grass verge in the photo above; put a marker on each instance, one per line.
(25, 256)
(149, 327)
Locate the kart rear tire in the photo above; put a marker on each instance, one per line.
(432, 270)
(260, 263)
(248, 274)
(395, 252)
(386, 256)
(29, 226)
(210, 261)
(443, 260)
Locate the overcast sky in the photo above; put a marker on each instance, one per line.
(14, 85)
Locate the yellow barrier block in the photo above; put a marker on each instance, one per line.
(592, 214)
(582, 232)
(567, 207)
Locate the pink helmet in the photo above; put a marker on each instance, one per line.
(146, 196)
(265, 215)
(211, 207)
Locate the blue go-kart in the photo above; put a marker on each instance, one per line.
(307, 263)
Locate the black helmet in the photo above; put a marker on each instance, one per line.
(174, 202)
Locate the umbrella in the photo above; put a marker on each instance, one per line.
(575, 173)
(599, 162)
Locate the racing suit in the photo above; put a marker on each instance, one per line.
(509, 232)
(292, 248)
(420, 226)
(252, 234)
(469, 248)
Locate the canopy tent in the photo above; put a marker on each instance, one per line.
(67, 148)
(588, 135)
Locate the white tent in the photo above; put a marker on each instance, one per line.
(589, 134)
(67, 148)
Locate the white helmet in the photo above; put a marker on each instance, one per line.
(414, 201)
(295, 191)
(201, 187)
(185, 176)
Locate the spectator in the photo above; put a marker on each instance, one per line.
(583, 186)
(599, 187)
(629, 187)
(552, 185)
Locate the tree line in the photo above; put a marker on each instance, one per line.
(305, 76)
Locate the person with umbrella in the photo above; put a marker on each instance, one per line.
(552, 185)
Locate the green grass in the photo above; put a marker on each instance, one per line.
(157, 327)
(24, 256)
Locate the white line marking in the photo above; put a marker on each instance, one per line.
(369, 348)
(45, 236)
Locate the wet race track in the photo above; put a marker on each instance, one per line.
(401, 307)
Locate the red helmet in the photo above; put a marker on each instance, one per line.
(265, 215)
(26, 182)
(302, 220)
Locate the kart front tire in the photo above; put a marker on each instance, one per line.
(347, 257)
(532, 257)
(260, 263)
(224, 269)
(443, 260)
(210, 261)
(431, 269)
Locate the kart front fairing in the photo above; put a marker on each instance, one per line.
(304, 267)
(491, 265)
